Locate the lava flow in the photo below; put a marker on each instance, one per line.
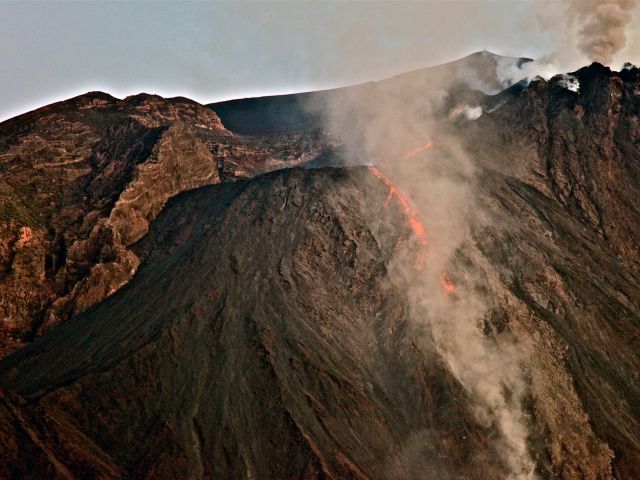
(447, 284)
(413, 219)
(412, 216)
(415, 151)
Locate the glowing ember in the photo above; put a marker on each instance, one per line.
(447, 284)
(414, 152)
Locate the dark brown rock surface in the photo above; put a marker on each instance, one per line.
(564, 169)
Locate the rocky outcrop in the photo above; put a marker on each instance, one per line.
(70, 173)
(179, 161)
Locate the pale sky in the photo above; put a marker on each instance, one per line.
(220, 50)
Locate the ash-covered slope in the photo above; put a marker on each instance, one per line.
(259, 339)
(466, 78)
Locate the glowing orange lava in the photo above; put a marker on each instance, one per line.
(414, 152)
(412, 216)
(447, 284)
(418, 228)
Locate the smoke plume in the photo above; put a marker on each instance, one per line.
(392, 125)
(582, 31)
(602, 27)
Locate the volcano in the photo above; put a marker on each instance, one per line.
(192, 291)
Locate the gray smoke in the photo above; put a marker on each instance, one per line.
(583, 30)
(602, 27)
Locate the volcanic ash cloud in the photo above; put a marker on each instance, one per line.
(602, 25)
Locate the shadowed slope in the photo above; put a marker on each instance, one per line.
(297, 113)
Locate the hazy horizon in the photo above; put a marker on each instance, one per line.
(218, 51)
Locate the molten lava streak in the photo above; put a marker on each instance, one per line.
(447, 284)
(412, 216)
(415, 151)
(413, 219)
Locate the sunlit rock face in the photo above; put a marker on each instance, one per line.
(85, 178)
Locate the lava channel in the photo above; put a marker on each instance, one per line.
(415, 151)
(418, 228)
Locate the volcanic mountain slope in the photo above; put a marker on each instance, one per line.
(464, 80)
(259, 339)
(266, 333)
(80, 181)
(568, 181)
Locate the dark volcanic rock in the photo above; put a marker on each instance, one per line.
(258, 340)
(563, 176)
(580, 148)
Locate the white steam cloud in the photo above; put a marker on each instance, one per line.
(472, 113)
(491, 373)
(490, 370)
(568, 81)
(466, 111)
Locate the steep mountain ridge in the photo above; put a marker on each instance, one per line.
(587, 146)
(82, 179)
(465, 79)
(576, 181)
